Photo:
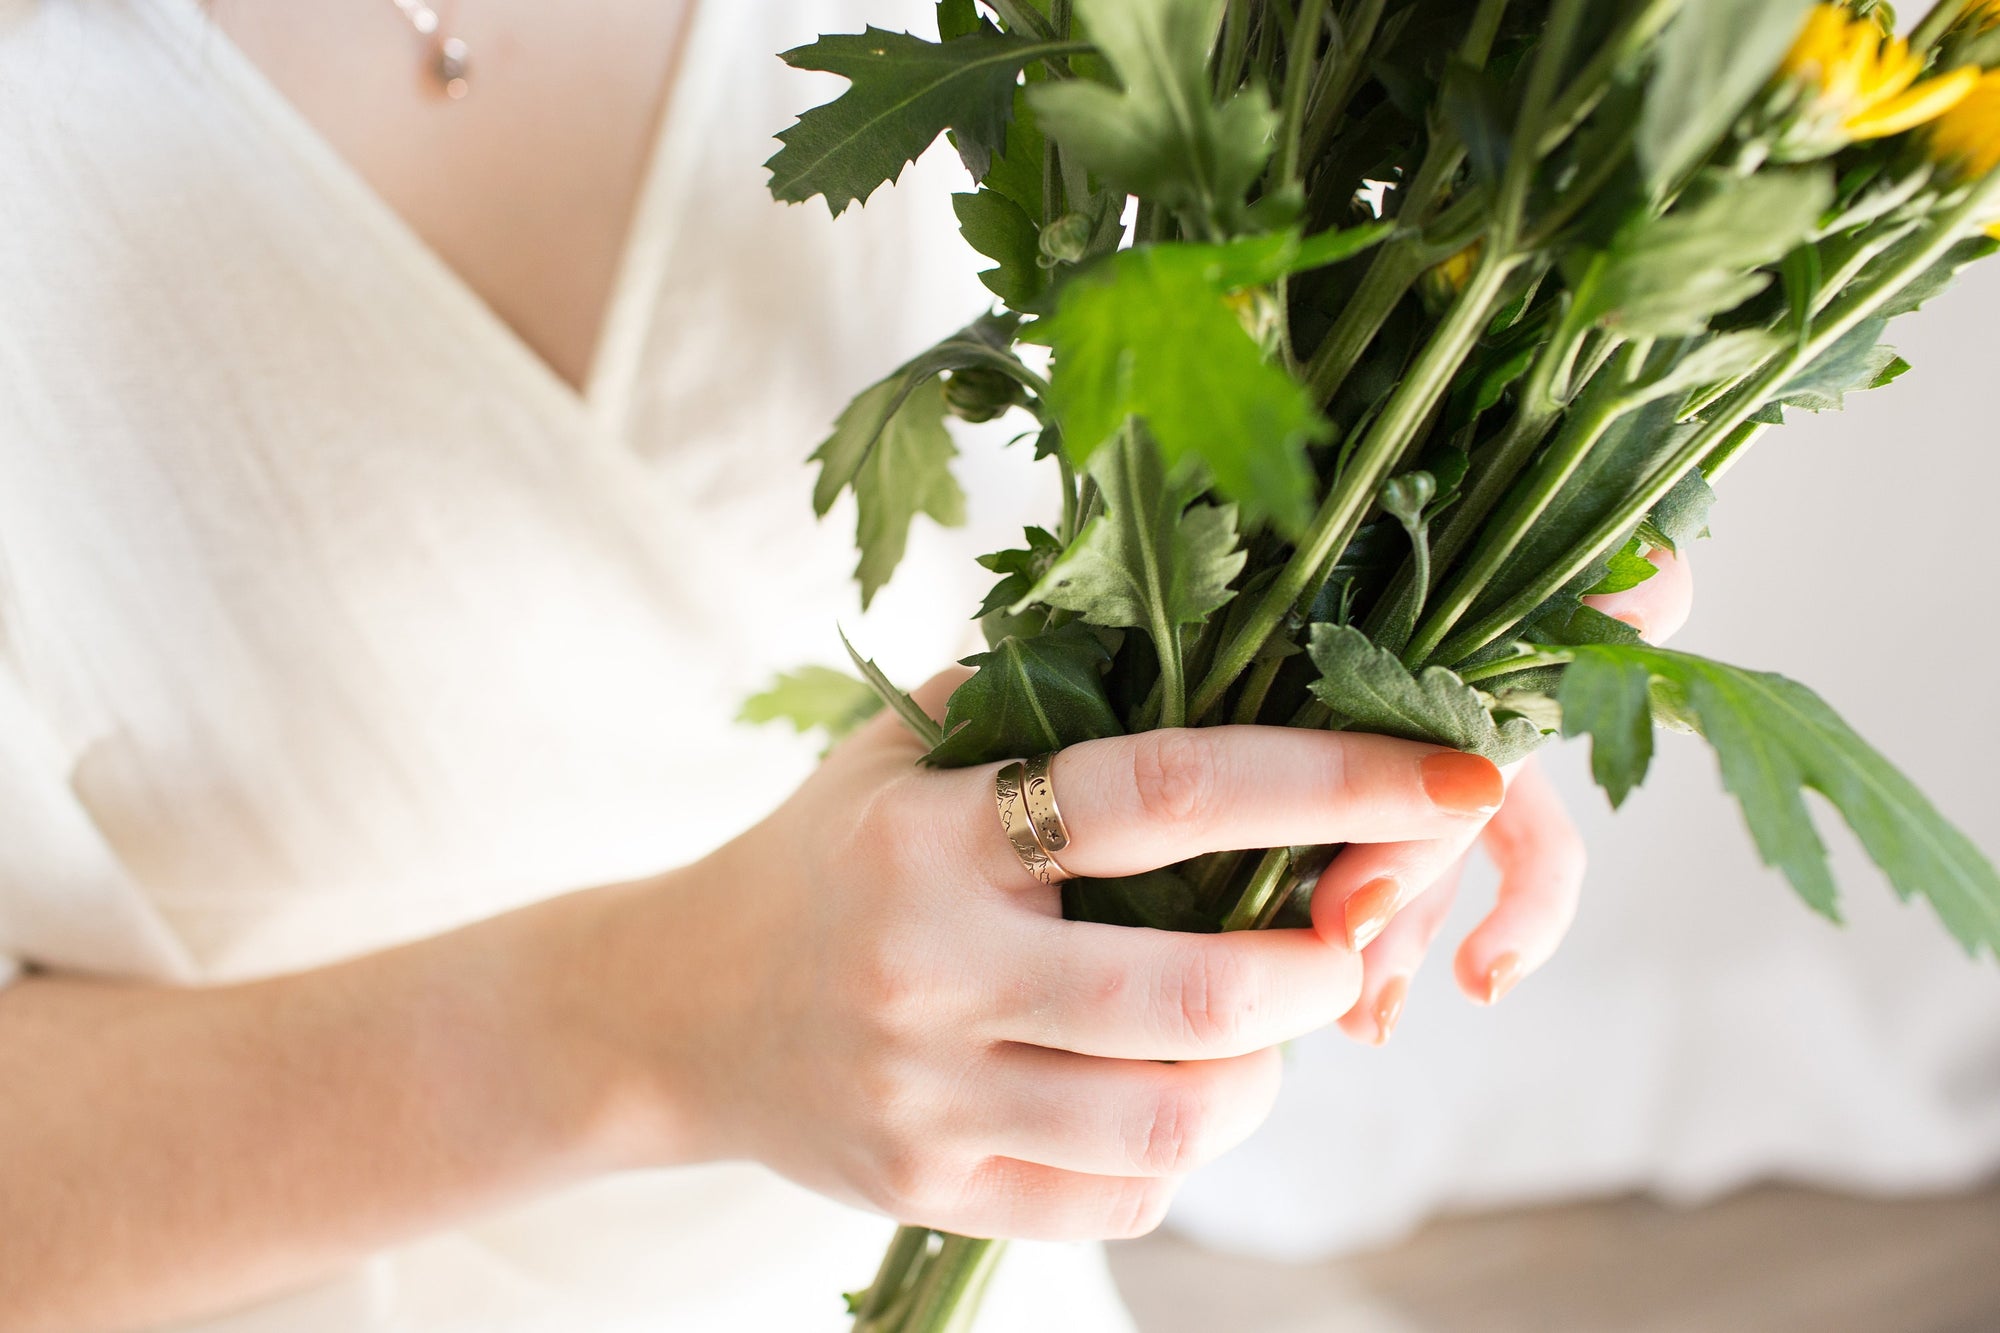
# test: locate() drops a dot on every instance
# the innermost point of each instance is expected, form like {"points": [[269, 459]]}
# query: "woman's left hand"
{"points": [[1389, 900]]}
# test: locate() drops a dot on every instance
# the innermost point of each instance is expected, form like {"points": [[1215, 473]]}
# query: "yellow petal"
{"points": [[1921, 105]]}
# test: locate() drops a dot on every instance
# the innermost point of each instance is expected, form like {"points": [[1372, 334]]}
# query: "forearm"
{"points": [[168, 1152]]}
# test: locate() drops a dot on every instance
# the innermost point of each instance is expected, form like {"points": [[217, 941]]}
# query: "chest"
{"points": [[526, 187]]}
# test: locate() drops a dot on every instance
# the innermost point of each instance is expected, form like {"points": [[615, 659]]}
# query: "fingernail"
{"points": [[1636, 621], [1389, 1009], [1463, 783], [1503, 976], [1370, 911]]}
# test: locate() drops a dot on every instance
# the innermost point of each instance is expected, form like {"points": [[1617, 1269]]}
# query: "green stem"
{"points": [[1594, 79], [1937, 23], [940, 1303], [1572, 447], [900, 1264], [1731, 451], [1298, 84], [1508, 666], [1856, 307], [1341, 75], [1257, 895], [1352, 494], [1256, 690], [1071, 505]]}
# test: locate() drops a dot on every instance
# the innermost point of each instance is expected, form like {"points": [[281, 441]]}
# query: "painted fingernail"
{"points": [[1503, 976], [1389, 1009], [1370, 911], [1463, 783]]}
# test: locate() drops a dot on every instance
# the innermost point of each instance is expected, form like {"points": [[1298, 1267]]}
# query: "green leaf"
{"points": [[1714, 58], [1157, 900], [1627, 571], [1939, 277], [1027, 697], [1149, 559], [814, 698], [905, 92], [1683, 516], [1021, 569], [1856, 363], [1151, 333], [1374, 692], [892, 449], [1776, 739], [1668, 276], [1609, 700], [956, 18], [921, 724], [998, 228], [1161, 135]]}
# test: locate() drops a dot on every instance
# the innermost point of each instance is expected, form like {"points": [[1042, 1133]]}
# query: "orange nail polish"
{"points": [[1463, 783], [1370, 911], [1389, 1009], [1504, 975]]}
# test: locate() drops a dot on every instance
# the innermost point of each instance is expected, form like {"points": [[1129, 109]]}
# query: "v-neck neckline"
{"points": [[623, 320]]}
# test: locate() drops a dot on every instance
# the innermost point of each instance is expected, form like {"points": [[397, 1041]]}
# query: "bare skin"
{"points": [[897, 1017], [553, 141]]}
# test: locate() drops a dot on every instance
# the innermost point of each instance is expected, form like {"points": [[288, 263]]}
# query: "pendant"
{"points": [[453, 65]]}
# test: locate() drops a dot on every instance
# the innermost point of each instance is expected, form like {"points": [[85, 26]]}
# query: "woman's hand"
{"points": [[1390, 901], [870, 994]]}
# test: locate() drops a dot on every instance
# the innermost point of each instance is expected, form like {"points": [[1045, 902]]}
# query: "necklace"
{"points": [[446, 54]]}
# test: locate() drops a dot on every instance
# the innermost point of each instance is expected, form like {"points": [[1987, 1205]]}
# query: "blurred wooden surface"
{"points": [[1769, 1261]]}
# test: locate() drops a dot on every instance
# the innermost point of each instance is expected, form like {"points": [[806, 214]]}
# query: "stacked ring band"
{"points": [[1030, 817]]}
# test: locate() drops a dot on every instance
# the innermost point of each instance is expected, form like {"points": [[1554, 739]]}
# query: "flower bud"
{"points": [[980, 393], [1066, 240]]}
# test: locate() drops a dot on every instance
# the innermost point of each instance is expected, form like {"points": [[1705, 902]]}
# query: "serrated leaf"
{"points": [[1683, 516], [1027, 697], [1151, 558], [1854, 364], [921, 724], [1161, 135], [1151, 333], [1668, 276], [892, 449], [1936, 280], [1373, 691], [996, 227], [956, 18], [1628, 569], [904, 93], [1776, 739], [814, 698], [1610, 701], [1020, 569], [1713, 59]]}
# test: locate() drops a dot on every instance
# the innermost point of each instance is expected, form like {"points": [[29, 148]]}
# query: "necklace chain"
{"points": [[447, 55]]}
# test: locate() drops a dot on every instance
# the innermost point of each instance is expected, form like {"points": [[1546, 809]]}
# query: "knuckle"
{"points": [[909, 1181], [1169, 1139], [1174, 774], [1210, 999], [1137, 1208], [887, 987]]}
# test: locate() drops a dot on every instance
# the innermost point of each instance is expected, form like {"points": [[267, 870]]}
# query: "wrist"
{"points": [[591, 1048]]}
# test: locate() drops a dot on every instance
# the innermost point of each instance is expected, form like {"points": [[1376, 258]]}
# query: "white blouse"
{"points": [[330, 618]]}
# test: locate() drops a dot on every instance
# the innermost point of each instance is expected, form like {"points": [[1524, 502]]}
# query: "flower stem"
{"points": [[1353, 493]]}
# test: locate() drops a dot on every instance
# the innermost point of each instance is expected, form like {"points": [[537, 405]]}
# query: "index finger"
{"points": [[1136, 803]]}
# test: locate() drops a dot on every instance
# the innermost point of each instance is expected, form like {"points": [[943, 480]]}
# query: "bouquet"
{"points": [[1368, 337]]}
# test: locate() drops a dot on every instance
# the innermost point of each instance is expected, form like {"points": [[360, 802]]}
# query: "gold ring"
{"points": [[1043, 812], [1020, 829]]}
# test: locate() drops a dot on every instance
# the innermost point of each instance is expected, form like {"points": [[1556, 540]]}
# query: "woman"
{"points": [[400, 493]]}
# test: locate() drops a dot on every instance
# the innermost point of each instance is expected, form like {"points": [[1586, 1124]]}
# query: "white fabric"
{"points": [[329, 618], [1701, 1030]]}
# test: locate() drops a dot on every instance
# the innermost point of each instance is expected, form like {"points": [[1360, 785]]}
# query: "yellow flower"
{"points": [[1864, 83], [1448, 277], [1967, 137]]}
